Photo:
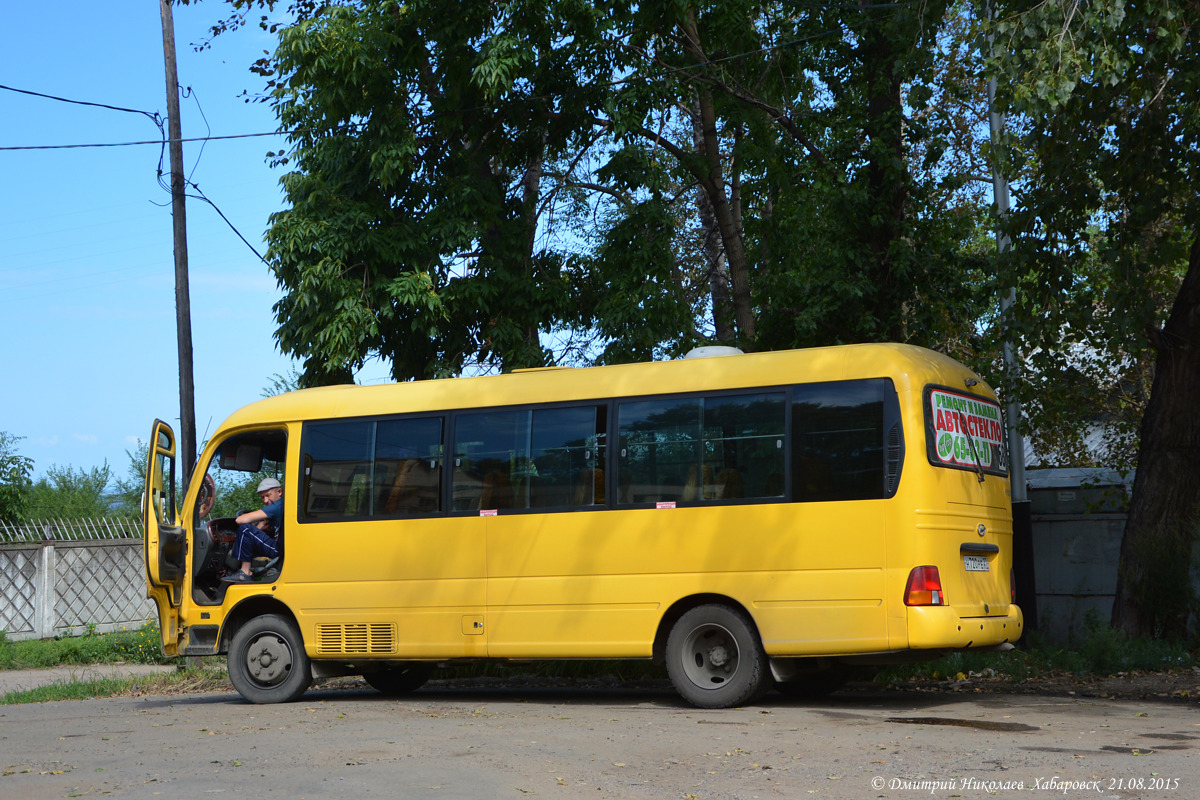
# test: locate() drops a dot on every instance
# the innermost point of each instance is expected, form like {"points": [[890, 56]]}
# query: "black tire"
{"points": [[715, 659], [267, 662], [816, 684], [401, 678]]}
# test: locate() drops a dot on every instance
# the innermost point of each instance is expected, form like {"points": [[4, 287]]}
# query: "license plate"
{"points": [[975, 563]]}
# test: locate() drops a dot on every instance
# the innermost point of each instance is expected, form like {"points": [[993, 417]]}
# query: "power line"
{"points": [[201, 196], [153, 115], [155, 141], [162, 142]]}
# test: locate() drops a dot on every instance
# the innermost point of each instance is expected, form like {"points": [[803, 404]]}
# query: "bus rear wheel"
{"points": [[715, 659], [400, 678], [267, 662]]}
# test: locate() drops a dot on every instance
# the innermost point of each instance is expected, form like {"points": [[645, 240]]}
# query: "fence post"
{"points": [[44, 591]]}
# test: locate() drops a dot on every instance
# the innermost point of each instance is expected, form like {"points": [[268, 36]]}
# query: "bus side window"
{"points": [[408, 466], [837, 441], [339, 459], [743, 445], [528, 458], [710, 449], [490, 460], [566, 456], [659, 440]]}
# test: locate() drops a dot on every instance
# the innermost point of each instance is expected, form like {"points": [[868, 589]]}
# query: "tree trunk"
{"points": [[714, 255], [530, 194], [731, 234], [887, 180], [712, 181], [1154, 589]]}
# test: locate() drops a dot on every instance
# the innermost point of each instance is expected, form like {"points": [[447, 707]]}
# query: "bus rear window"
{"points": [[964, 431]]}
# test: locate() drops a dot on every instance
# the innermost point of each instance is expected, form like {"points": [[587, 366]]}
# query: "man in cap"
{"points": [[258, 531]]}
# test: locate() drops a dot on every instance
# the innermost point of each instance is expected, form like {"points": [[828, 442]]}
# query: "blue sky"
{"points": [[87, 293]]}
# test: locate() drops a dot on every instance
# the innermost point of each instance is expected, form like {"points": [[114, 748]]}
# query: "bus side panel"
{"points": [[422, 580], [596, 584]]}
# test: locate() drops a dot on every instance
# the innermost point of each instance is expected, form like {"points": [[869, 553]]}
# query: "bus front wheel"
{"points": [[267, 662], [715, 659]]}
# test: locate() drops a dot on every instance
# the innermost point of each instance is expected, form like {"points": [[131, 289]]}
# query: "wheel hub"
{"points": [[718, 656], [269, 660]]}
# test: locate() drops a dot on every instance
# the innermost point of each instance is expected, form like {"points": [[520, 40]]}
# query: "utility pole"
{"points": [[183, 303], [1021, 510]]}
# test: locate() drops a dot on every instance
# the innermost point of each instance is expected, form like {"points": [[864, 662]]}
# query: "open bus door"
{"points": [[166, 541]]}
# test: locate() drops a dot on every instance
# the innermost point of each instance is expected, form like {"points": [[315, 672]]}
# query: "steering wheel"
{"points": [[208, 495]]}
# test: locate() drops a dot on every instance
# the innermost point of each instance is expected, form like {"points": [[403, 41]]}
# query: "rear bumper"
{"points": [[932, 627]]}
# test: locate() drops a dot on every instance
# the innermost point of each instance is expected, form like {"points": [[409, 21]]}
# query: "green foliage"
{"points": [[128, 490], [1102, 650], [237, 491], [1108, 210], [70, 493], [15, 479], [76, 690], [406, 230], [140, 646], [282, 384], [469, 178]]}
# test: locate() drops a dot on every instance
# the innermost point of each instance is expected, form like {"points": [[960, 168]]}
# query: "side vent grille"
{"points": [[895, 458], [357, 638]]}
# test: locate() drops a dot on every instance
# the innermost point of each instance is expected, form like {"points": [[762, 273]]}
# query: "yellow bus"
{"points": [[751, 520]]}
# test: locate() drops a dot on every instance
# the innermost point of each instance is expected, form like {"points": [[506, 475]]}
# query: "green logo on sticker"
{"points": [[946, 445]]}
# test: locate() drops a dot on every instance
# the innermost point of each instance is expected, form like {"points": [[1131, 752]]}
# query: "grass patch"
{"points": [[140, 646], [182, 681], [1103, 650]]}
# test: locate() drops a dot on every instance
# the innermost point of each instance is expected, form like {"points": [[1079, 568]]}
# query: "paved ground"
{"points": [[23, 680], [628, 743]]}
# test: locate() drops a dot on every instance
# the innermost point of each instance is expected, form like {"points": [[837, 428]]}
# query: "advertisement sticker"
{"points": [[967, 431]]}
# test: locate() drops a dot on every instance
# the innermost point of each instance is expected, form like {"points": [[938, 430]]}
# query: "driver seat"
{"points": [[263, 568]]}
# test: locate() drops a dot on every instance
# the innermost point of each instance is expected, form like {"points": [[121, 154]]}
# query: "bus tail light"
{"points": [[924, 588], [1012, 585]]}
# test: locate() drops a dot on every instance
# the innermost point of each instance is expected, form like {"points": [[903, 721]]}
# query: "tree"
{"points": [[15, 481], [1107, 245], [471, 178], [70, 493], [412, 222], [127, 491], [282, 384]]}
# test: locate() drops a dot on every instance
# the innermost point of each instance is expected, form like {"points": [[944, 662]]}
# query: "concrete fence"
{"points": [[72, 578]]}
